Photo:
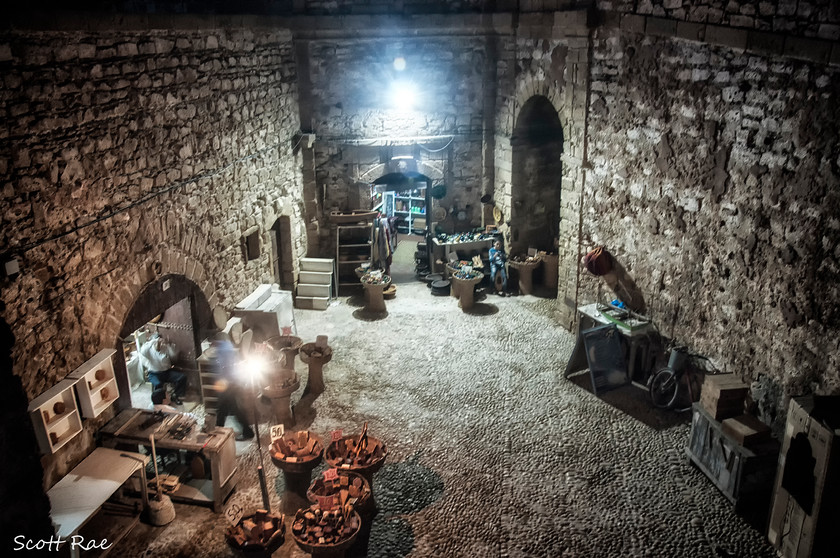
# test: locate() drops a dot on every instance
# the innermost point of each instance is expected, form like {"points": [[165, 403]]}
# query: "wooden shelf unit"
{"points": [[353, 245], [209, 382], [413, 220], [52, 428], [97, 385]]}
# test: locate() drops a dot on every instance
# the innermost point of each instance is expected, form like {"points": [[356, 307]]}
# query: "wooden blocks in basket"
{"points": [[723, 395]]}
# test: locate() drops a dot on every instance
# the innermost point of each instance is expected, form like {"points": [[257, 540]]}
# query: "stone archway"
{"points": [[537, 146], [154, 299]]}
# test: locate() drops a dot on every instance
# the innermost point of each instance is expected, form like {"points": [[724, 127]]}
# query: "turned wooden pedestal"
{"points": [[466, 290], [525, 271], [280, 398], [315, 383], [288, 346], [375, 299]]}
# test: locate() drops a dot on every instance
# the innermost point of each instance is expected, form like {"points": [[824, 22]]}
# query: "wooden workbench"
{"points": [[79, 495], [127, 429]]}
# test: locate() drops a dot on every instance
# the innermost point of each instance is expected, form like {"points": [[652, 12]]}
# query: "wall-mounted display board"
{"points": [[55, 416], [97, 386]]}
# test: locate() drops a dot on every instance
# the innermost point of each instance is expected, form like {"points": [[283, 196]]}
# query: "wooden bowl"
{"points": [[316, 548], [320, 487], [257, 550], [337, 453], [303, 463]]}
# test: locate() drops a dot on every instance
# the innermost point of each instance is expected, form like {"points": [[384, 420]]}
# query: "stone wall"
{"points": [[131, 154], [715, 184], [549, 58], [358, 126], [808, 18]]}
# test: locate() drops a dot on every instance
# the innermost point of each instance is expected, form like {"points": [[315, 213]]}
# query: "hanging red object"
{"points": [[598, 261]]}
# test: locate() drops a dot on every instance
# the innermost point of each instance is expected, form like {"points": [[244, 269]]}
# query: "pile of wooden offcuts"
{"points": [[342, 488], [317, 526], [297, 447], [262, 529], [366, 451]]}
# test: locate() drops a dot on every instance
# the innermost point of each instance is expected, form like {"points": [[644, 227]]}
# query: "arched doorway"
{"points": [[537, 146], [178, 308]]}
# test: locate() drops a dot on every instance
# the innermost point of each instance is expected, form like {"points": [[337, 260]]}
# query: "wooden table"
{"points": [[126, 429], [639, 358], [449, 247], [79, 495]]}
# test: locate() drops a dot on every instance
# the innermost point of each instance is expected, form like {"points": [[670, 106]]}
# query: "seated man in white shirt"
{"points": [[158, 355]]}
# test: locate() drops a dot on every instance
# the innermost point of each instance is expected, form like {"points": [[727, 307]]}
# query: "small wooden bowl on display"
{"points": [[297, 452], [367, 459], [258, 535], [309, 529], [355, 484]]}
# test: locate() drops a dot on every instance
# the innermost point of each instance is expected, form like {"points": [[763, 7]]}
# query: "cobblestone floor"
{"points": [[492, 452]]}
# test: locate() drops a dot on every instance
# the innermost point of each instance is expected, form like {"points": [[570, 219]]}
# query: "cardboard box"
{"points": [[808, 475]]}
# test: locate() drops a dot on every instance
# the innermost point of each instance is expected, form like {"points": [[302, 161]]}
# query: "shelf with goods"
{"points": [[55, 416], [411, 206], [376, 199], [97, 385], [352, 250]]}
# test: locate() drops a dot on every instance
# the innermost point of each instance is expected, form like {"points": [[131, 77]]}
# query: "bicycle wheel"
{"points": [[664, 388]]}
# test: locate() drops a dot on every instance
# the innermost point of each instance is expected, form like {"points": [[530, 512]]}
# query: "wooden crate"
{"points": [[743, 475]]}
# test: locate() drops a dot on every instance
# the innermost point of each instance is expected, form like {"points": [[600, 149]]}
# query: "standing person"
{"points": [[498, 258], [225, 361], [159, 355]]}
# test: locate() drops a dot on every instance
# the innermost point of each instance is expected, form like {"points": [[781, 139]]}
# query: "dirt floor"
{"points": [[492, 452]]}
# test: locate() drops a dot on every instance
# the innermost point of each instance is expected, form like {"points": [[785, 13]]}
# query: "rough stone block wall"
{"points": [[128, 155], [549, 59], [715, 184], [808, 18]]}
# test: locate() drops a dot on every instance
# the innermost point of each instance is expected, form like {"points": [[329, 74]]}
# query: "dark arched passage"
{"points": [[155, 298], [537, 146]]}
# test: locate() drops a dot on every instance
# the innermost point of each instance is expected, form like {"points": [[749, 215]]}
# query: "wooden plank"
{"points": [[747, 430]]}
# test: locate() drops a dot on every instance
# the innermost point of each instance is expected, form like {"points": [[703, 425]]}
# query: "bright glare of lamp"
{"points": [[252, 367], [399, 63], [402, 95]]}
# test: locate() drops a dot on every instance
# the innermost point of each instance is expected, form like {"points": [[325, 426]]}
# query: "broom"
{"points": [[161, 509]]}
